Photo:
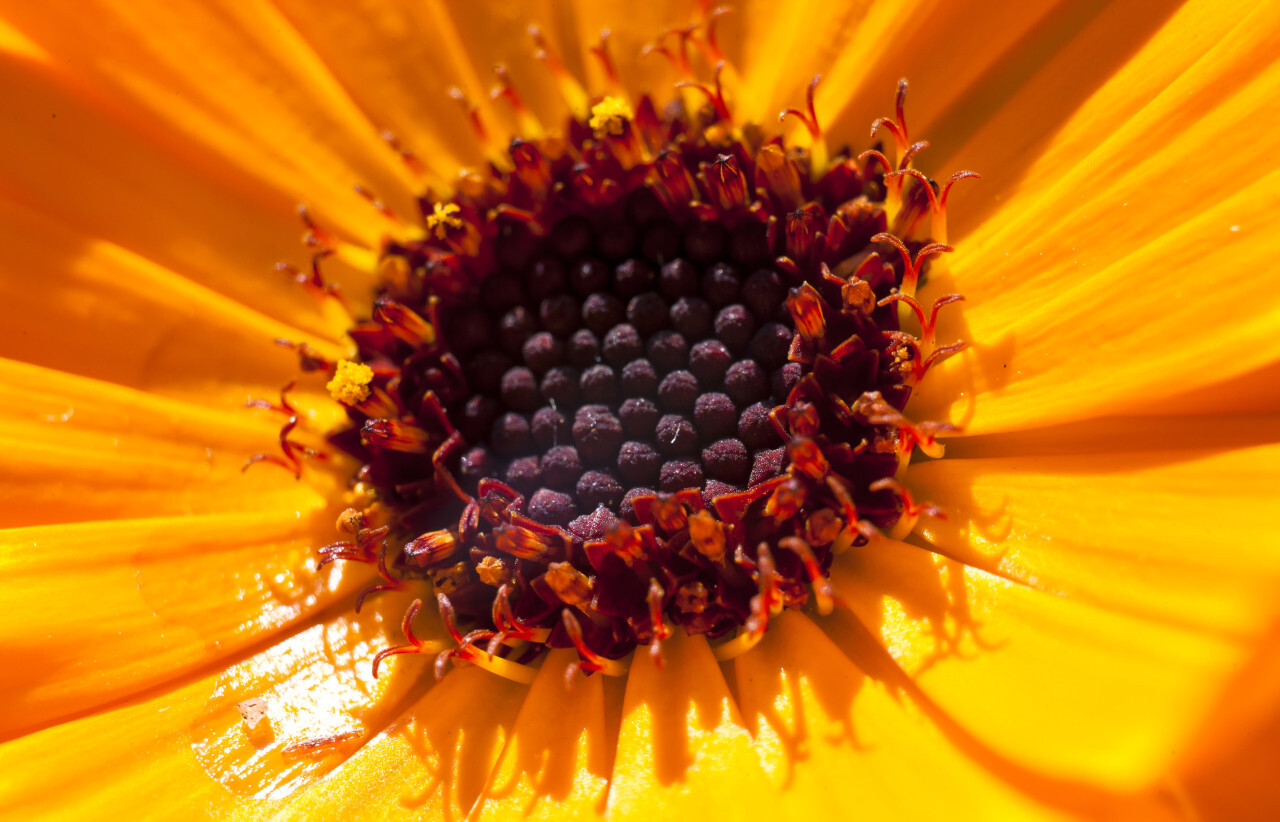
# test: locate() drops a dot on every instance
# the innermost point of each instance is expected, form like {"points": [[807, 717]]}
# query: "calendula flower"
{"points": [[616, 387]]}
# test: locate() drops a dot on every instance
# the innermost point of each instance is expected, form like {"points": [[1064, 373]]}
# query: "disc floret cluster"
{"points": [[647, 374]]}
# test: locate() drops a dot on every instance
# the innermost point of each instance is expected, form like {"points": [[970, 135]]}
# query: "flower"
{"points": [[1106, 572]]}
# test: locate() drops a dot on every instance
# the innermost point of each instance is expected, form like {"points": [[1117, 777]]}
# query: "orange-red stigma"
{"points": [[643, 375]]}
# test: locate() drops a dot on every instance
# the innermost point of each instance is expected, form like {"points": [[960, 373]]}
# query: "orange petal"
{"points": [[632, 27], [83, 165], [52, 482], [1183, 537], [1101, 348], [1059, 110], [558, 757], [872, 45], [322, 702], [65, 294], [1228, 771], [80, 449], [187, 752], [102, 610], [259, 107], [400, 59], [682, 749], [839, 744], [1056, 685], [431, 763], [1123, 280]]}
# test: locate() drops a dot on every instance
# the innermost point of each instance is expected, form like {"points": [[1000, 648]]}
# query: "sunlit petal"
{"points": [[104, 610]]}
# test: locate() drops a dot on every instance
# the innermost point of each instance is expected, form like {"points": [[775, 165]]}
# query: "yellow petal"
{"points": [[839, 744], [558, 757], [54, 482], [64, 294], [79, 449], [632, 27], [1185, 537], [187, 752], [879, 43], [1228, 771], [1122, 281], [401, 58], [780, 54], [431, 763], [1057, 685], [258, 106], [101, 610], [105, 179], [322, 702], [682, 749], [1063, 104]]}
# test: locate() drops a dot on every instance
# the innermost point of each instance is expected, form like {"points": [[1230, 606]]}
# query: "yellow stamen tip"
{"points": [[442, 218], [350, 383], [611, 114]]}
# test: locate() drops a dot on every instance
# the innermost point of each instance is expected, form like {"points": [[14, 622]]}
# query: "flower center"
{"points": [[648, 374], [593, 379]]}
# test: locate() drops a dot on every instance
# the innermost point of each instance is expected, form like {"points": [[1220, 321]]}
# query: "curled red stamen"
{"points": [[911, 268], [414, 644], [897, 126], [716, 97], [601, 53], [810, 119], [292, 451]]}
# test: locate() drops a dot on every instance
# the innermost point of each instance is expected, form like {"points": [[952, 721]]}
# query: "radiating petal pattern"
{"points": [[1168, 533], [80, 449], [188, 748], [682, 748], [257, 104], [1091, 632], [1016, 665], [432, 762], [559, 756], [1104, 316], [834, 741], [104, 610]]}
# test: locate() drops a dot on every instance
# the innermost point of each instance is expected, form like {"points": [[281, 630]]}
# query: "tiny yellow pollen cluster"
{"points": [[611, 114], [350, 383], [442, 218]]}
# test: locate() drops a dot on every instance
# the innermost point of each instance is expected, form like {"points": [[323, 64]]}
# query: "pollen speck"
{"points": [[611, 114], [350, 383], [442, 218]]}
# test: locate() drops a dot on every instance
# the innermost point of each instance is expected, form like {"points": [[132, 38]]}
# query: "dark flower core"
{"points": [[646, 374]]}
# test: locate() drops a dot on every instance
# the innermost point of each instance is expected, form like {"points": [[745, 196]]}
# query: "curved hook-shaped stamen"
{"points": [[713, 51], [824, 595], [590, 660], [601, 53], [911, 510], [715, 97], [809, 119], [937, 200], [575, 96], [414, 645], [910, 154], [526, 121], [818, 157], [898, 125], [911, 273]]}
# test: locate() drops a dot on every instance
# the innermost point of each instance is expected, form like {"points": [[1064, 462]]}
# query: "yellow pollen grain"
{"points": [[350, 383], [492, 572], [443, 218], [611, 114]]}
